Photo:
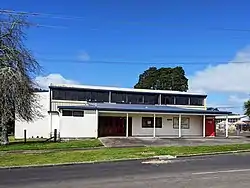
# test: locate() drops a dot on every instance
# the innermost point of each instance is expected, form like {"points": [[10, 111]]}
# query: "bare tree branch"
{"points": [[17, 67]]}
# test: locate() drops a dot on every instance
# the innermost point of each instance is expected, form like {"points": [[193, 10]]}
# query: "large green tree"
{"points": [[247, 108], [17, 71], [165, 78]]}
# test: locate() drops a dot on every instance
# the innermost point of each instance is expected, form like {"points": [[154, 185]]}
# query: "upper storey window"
{"points": [[197, 101], [125, 97], [80, 95]]}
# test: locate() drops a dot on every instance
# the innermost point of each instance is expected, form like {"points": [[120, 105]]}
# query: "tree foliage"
{"points": [[212, 109], [17, 70], [163, 79], [247, 108]]}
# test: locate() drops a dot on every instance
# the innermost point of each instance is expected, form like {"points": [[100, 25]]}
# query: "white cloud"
{"points": [[83, 56], [45, 81], [231, 77]]}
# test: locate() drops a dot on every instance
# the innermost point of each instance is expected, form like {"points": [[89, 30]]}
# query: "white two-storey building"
{"points": [[79, 111]]}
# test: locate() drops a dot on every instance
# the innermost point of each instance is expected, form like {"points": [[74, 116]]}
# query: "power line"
{"points": [[37, 25], [4, 11], [67, 17], [44, 53], [194, 63]]}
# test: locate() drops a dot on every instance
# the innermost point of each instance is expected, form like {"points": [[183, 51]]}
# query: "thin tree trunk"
{"points": [[4, 136]]}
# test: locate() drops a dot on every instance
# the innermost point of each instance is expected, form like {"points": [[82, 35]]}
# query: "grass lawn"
{"points": [[10, 159], [38, 144]]}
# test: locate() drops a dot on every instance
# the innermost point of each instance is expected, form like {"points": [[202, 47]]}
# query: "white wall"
{"points": [[195, 128], [79, 127], [55, 121], [39, 127]]}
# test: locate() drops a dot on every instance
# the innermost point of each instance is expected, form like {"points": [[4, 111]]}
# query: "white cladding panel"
{"points": [[40, 126], [55, 120], [79, 127]]}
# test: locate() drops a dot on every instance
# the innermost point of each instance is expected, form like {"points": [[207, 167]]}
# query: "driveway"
{"points": [[142, 142]]}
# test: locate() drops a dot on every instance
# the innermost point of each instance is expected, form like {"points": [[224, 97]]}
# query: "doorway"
{"points": [[114, 126], [210, 126]]}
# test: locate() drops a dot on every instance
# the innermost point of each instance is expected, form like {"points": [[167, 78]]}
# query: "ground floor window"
{"points": [[75, 113], [185, 122], [148, 122]]}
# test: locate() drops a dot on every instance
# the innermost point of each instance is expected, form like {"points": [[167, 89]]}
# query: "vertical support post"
{"points": [[179, 125], [50, 123], [55, 135], [127, 125], [205, 103], [110, 95], [97, 123], [227, 126], [204, 126], [50, 110], [25, 135], [154, 127], [159, 99]]}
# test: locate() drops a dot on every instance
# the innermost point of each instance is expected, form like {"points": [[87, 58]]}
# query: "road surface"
{"points": [[225, 171]]}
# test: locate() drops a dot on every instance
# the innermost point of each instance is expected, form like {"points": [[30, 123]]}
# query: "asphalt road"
{"points": [[227, 171]]}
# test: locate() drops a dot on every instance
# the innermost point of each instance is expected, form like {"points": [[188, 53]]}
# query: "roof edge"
{"points": [[111, 88], [179, 110]]}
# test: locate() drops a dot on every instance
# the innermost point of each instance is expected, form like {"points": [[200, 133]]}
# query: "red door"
{"points": [[210, 127]]}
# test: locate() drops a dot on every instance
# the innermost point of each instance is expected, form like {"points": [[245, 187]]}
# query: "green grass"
{"points": [[35, 144], [11, 159]]}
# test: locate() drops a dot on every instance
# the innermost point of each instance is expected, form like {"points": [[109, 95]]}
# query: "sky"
{"points": [[110, 42]]}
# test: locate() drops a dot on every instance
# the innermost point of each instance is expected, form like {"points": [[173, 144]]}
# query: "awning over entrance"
{"points": [[144, 108]]}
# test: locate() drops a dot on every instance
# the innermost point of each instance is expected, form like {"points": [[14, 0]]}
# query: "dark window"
{"points": [[148, 122], [80, 95], [198, 101], [118, 97], [78, 113], [150, 99], [67, 112], [84, 96], [167, 99], [182, 100], [100, 96], [135, 98], [58, 94]]}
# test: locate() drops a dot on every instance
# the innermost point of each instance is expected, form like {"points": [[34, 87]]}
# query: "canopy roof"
{"points": [[143, 108]]}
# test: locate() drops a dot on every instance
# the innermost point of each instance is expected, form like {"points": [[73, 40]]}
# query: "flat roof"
{"points": [[230, 116], [124, 89], [142, 108]]}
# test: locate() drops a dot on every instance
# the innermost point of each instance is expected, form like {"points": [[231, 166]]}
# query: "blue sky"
{"points": [[209, 34]]}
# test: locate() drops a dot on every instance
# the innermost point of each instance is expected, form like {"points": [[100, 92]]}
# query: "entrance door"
{"points": [[210, 127], [113, 126]]}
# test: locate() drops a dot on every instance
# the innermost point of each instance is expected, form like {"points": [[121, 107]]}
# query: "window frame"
{"points": [[195, 101], [71, 114], [169, 97], [134, 98], [182, 99], [158, 122], [77, 111], [80, 95], [66, 111], [176, 123]]}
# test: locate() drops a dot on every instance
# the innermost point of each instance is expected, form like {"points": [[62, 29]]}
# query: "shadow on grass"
{"points": [[31, 142]]}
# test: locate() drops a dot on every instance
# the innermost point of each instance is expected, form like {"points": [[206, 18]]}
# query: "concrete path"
{"points": [[140, 142], [225, 171]]}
